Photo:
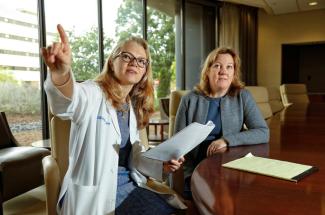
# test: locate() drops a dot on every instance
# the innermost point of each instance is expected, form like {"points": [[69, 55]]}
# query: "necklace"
{"points": [[124, 110]]}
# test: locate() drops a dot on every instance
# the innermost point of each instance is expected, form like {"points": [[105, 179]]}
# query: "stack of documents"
{"points": [[270, 167], [181, 143]]}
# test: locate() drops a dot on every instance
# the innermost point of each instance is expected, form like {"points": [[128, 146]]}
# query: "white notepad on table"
{"points": [[271, 167]]}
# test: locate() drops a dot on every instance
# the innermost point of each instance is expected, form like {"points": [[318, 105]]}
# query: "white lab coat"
{"points": [[90, 183]]}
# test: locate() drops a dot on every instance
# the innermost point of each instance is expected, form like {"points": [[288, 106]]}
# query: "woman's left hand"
{"points": [[172, 165], [217, 146]]}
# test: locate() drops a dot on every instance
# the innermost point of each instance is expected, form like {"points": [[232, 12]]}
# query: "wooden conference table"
{"points": [[297, 135]]}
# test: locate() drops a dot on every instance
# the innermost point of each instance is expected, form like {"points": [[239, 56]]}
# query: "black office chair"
{"points": [[20, 166]]}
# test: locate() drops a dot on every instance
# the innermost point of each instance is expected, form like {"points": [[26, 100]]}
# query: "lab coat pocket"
{"points": [[81, 200]]}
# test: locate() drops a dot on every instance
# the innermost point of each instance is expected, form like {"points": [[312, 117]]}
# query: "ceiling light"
{"points": [[313, 3]]}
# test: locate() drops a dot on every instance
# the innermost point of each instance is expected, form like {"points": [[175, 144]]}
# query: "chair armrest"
{"points": [[52, 183]]}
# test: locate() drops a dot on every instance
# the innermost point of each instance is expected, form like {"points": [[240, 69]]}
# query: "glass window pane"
{"points": [[121, 19], [19, 69], [80, 21], [161, 38]]}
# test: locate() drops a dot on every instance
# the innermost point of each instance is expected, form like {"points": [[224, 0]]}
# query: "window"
{"points": [[161, 38], [81, 27], [121, 19], [19, 69]]}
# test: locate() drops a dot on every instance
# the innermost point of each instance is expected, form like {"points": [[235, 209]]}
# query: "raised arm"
{"points": [[58, 58]]}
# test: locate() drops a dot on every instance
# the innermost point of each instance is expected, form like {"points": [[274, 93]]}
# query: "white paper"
{"points": [[181, 143], [270, 167]]}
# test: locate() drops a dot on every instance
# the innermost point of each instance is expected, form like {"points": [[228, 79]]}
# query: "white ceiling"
{"points": [[282, 6]]}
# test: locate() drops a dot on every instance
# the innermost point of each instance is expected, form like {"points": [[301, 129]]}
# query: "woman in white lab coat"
{"points": [[106, 172]]}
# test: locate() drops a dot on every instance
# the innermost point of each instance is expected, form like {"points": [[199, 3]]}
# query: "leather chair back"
{"points": [[175, 98], [60, 131], [275, 99], [56, 164], [5, 140], [261, 97], [294, 93]]}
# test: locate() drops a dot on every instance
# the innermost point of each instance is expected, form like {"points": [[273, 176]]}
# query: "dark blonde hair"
{"points": [[236, 84], [142, 95]]}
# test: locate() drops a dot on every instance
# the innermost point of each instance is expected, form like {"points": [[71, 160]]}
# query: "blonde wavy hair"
{"points": [[236, 84], [142, 93]]}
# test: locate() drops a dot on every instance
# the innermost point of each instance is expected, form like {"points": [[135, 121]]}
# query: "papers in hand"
{"points": [[181, 143], [271, 167]]}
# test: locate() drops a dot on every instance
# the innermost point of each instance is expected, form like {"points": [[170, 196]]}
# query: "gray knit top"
{"points": [[235, 112]]}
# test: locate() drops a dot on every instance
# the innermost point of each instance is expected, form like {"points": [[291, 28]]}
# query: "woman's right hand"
{"points": [[217, 146], [172, 165], [58, 57]]}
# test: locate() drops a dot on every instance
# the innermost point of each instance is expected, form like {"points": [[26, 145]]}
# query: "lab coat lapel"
{"points": [[133, 126], [111, 110]]}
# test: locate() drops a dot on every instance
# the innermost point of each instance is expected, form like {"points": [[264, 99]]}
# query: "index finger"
{"points": [[174, 161], [63, 36], [181, 159]]}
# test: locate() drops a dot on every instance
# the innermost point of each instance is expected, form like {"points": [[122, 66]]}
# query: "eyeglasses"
{"points": [[127, 57]]}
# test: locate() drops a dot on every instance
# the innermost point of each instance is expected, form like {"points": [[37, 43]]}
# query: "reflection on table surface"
{"points": [[297, 135]]}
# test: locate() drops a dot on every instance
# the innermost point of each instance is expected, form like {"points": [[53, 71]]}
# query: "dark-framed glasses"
{"points": [[127, 57]]}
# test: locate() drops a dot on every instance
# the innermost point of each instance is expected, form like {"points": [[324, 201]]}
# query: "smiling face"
{"points": [[221, 74], [129, 73]]}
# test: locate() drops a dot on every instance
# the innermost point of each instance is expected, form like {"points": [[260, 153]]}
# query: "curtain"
{"points": [[238, 30], [229, 26], [248, 43]]}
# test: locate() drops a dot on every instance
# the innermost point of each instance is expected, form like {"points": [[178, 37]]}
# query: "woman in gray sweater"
{"points": [[220, 97]]}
